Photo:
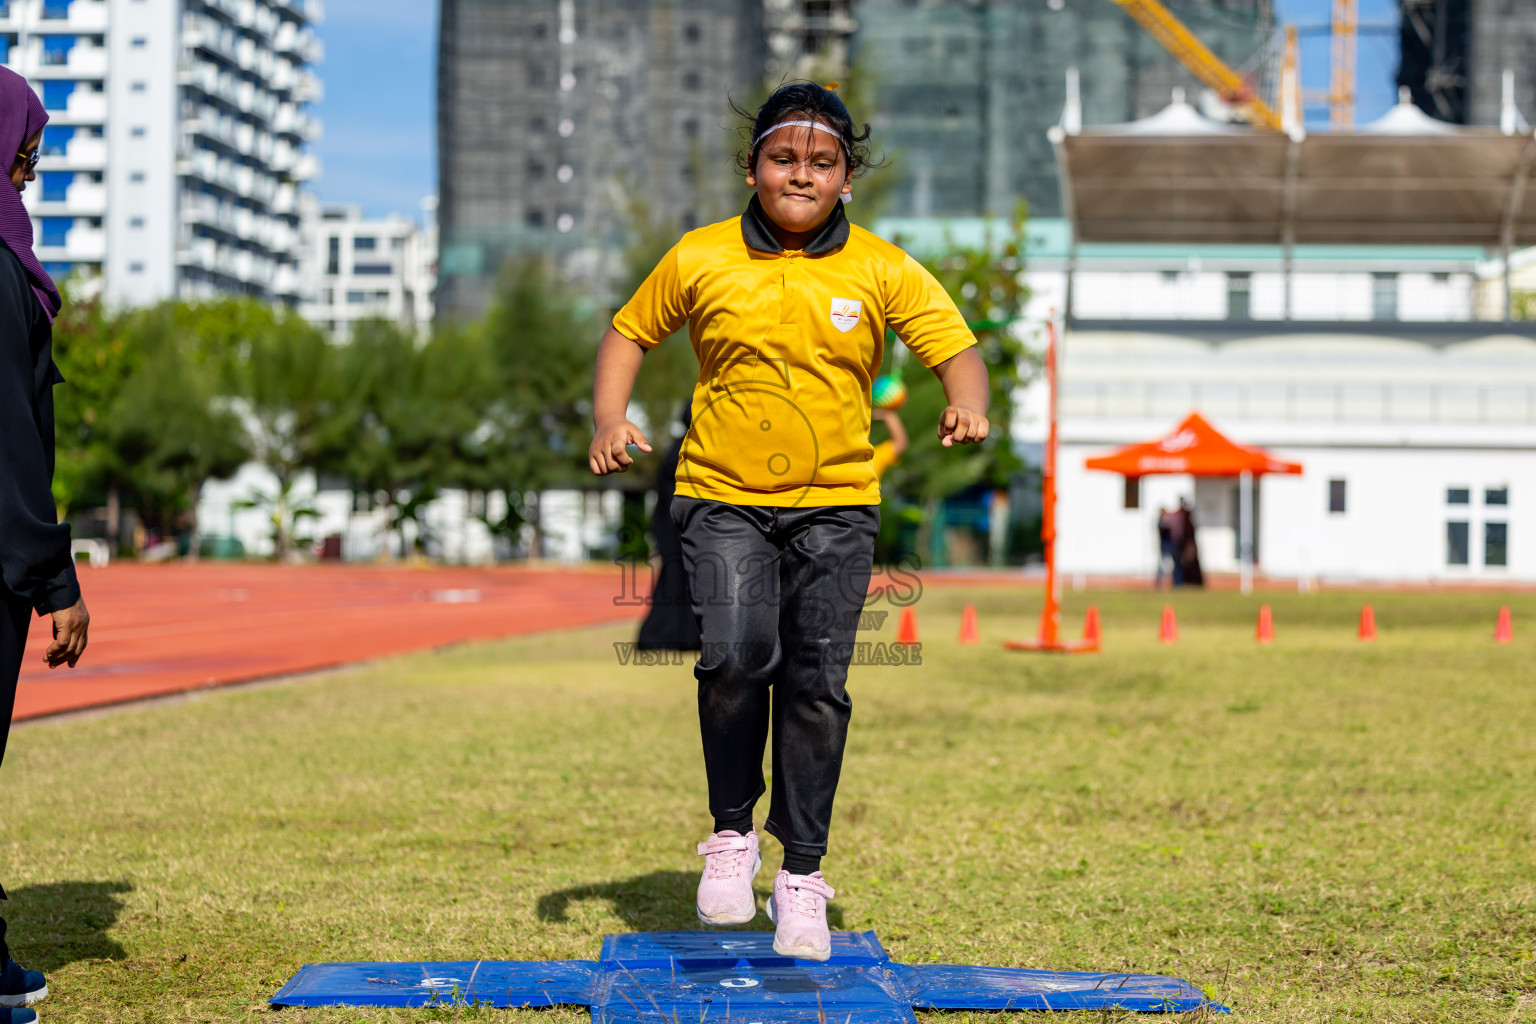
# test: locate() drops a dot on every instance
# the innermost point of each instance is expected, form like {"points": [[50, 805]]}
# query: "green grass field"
{"points": [[1319, 830]]}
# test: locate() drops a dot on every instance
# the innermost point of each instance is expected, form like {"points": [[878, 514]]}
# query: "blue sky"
{"points": [[379, 143]]}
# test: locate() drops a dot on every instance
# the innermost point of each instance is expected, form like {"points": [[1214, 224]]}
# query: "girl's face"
{"points": [[799, 176]]}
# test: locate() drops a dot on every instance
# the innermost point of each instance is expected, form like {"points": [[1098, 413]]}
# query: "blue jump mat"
{"points": [[655, 977]]}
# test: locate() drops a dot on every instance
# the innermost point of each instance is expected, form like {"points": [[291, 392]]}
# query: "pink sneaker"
{"points": [[731, 862], [798, 910]]}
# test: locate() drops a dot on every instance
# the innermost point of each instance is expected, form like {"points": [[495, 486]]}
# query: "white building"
{"points": [[1386, 370], [173, 158], [1417, 442], [355, 268]]}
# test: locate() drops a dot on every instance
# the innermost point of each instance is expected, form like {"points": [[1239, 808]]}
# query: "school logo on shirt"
{"points": [[845, 313]]}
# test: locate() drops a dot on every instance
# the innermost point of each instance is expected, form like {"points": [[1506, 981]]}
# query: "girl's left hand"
{"points": [[958, 425]]}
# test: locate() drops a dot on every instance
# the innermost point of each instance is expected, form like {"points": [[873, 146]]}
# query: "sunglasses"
{"points": [[32, 158]]}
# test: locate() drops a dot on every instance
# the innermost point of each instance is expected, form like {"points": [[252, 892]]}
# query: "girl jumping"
{"points": [[777, 498]]}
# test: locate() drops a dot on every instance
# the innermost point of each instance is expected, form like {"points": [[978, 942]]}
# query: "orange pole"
{"points": [[1050, 615]]}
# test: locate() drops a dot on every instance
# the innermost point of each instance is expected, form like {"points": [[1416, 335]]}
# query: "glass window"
{"points": [[1336, 494], [1458, 496], [1133, 492], [1456, 543], [1383, 296], [56, 230], [364, 243], [56, 185], [56, 139], [372, 269], [56, 49], [7, 39], [135, 222], [135, 268], [58, 271], [1239, 296], [1496, 496], [357, 298], [534, 218], [56, 8], [1495, 544], [56, 94], [333, 255]]}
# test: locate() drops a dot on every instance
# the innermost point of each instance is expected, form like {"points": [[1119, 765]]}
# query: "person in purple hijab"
{"points": [[37, 571]]}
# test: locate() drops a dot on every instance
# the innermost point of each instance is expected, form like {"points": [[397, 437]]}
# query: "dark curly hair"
{"points": [[804, 101]]}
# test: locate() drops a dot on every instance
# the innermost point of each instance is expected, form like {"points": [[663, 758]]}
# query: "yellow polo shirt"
{"points": [[884, 458], [788, 343]]}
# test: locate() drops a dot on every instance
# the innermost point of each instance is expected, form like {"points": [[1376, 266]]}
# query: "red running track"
{"points": [[160, 629]]}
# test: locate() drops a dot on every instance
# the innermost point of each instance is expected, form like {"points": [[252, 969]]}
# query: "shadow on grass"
{"points": [[661, 901], [64, 922]]}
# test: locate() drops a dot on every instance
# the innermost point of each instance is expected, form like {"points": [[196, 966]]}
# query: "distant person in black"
{"points": [[36, 568], [670, 625], [1187, 556], [1167, 564]]}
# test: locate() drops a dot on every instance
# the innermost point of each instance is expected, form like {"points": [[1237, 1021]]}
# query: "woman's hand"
{"points": [[959, 425], [607, 454], [69, 629]]}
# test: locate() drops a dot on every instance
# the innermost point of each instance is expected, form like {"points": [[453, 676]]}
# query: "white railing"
{"points": [[1338, 401]]}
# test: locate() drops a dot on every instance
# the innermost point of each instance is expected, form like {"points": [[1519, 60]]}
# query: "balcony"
{"points": [[81, 152], [82, 244], [84, 106], [78, 61], [83, 198]]}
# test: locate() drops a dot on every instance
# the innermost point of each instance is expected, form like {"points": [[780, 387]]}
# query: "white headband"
{"points": [[800, 124]]}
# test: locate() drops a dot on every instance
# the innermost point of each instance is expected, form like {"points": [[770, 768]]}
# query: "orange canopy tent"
{"points": [[1196, 448]]}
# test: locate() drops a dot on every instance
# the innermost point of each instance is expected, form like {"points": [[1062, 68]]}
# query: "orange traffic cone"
{"points": [[1169, 632], [968, 633], [906, 633], [1504, 632], [1367, 623], [1266, 631], [1091, 624]]}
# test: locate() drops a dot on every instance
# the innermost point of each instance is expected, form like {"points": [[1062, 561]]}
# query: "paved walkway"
{"points": [[159, 629]]}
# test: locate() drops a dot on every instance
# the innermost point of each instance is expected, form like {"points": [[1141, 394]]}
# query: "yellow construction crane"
{"points": [[1213, 72], [1341, 83], [1198, 59]]}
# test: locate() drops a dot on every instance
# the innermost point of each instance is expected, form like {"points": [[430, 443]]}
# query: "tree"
{"points": [[290, 397], [169, 429], [541, 342], [419, 414], [987, 285], [140, 417]]}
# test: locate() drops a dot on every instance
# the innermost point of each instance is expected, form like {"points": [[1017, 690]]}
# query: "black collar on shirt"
{"points": [[757, 234]]}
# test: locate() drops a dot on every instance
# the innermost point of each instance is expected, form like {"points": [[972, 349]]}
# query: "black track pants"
{"points": [[777, 592], [14, 619]]}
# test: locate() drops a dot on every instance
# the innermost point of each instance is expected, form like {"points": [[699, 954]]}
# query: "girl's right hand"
{"points": [[607, 454]]}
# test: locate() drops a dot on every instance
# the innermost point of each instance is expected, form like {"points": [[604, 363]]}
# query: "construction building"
{"points": [[175, 150], [807, 37], [1455, 54], [563, 123], [968, 88]]}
